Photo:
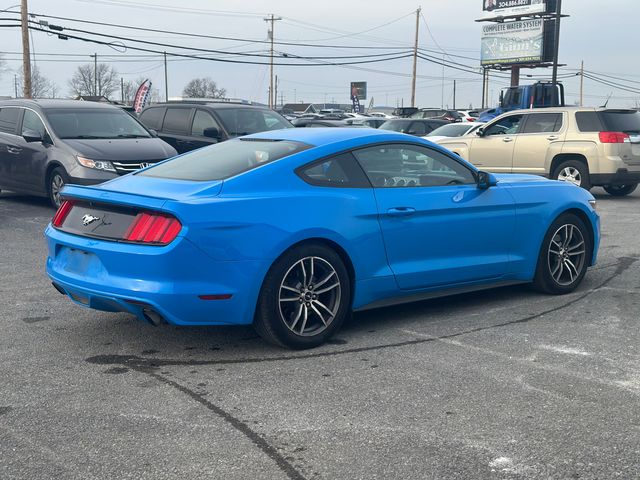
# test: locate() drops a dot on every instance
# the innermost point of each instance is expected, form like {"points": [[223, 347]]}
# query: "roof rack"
{"points": [[239, 101]]}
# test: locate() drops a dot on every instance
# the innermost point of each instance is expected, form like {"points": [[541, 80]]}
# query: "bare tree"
{"points": [[83, 81], [41, 86], [203, 88]]}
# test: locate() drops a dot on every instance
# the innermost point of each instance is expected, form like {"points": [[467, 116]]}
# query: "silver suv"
{"points": [[585, 146]]}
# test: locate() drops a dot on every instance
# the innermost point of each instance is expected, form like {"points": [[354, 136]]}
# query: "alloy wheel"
{"points": [[57, 183], [567, 253], [309, 296], [571, 175]]}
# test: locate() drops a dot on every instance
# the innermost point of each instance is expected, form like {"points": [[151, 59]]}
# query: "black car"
{"points": [[187, 125], [45, 144], [417, 127], [439, 113]]}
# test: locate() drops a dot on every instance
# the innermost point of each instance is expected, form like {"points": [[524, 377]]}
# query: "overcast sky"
{"points": [[588, 34]]}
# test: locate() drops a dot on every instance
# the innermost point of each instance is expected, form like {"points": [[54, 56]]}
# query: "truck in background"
{"points": [[537, 95]]}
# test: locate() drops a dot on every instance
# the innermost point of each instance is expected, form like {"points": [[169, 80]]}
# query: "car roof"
{"points": [[57, 103], [213, 104], [328, 135], [569, 109]]}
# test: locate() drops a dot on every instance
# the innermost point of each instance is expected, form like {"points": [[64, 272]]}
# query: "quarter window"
{"points": [[411, 166], [152, 118], [339, 171], [543, 123], [505, 126], [201, 121], [9, 120], [31, 122]]}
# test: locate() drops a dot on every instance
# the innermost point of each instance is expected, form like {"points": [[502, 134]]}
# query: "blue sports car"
{"points": [[291, 230]]}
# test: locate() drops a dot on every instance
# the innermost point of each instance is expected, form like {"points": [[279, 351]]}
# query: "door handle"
{"points": [[401, 211], [13, 150], [552, 137], [507, 139]]}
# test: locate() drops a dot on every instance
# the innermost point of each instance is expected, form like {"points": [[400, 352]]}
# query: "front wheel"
{"points": [[573, 171], [57, 180], [564, 256], [620, 190], [305, 298]]}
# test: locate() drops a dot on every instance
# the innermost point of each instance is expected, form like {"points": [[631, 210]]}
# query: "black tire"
{"points": [[620, 190], [553, 274], [274, 303], [581, 170], [56, 176]]}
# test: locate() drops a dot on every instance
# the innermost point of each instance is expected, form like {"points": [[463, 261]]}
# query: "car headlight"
{"points": [[96, 164], [593, 203]]}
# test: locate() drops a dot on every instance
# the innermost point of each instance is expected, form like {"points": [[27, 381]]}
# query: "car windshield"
{"points": [[98, 123], [395, 125], [451, 130], [245, 121], [225, 159]]}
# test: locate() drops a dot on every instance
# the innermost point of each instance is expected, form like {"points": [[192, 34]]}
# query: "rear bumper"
{"points": [[116, 277], [621, 177]]}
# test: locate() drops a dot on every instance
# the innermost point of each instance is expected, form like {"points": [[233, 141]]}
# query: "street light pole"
{"points": [[26, 55], [554, 79], [272, 99], [415, 59]]}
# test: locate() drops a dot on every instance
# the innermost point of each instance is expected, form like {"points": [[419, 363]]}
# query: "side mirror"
{"points": [[486, 180], [31, 136], [211, 132], [480, 132]]}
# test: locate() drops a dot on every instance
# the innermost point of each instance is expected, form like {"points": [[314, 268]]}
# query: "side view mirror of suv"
{"points": [[31, 136], [211, 132]]}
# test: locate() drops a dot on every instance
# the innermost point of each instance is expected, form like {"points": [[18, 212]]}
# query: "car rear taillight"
{"points": [[153, 228], [61, 214], [613, 137]]}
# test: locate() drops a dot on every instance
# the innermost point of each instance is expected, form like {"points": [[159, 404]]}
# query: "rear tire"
{"points": [[57, 179], [573, 171], [305, 298], [564, 256], [620, 190]]}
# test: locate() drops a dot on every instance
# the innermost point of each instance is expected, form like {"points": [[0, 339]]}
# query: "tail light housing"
{"points": [[60, 216], [153, 228], [613, 137]]}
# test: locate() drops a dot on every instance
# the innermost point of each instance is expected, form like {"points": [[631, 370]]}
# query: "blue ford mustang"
{"points": [[291, 230]]}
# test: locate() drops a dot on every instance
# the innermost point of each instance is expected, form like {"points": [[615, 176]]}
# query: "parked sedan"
{"points": [[291, 230], [417, 127]]}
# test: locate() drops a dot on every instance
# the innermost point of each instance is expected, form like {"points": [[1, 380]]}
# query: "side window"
{"points": [[31, 122], [339, 171], [152, 117], [201, 121], [543, 123], [588, 122], [505, 126], [411, 166], [417, 128], [176, 120], [9, 119]]}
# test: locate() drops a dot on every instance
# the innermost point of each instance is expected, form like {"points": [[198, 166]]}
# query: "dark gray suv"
{"points": [[190, 124], [45, 144]]}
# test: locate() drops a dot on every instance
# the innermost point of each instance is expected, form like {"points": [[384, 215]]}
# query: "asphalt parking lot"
{"points": [[506, 383]]}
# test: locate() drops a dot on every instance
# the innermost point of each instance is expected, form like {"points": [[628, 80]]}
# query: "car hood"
{"points": [[122, 149], [519, 178]]}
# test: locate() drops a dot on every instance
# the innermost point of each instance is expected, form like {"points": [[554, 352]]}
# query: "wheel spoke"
{"points": [[324, 307], [312, 270], [298, 315], [578, 245], [572, 269], [325, 280], [575, 254], [292, 299], [305, 316], [291, 289], [560, 271], [555, 270], [326, 289], [304, 273], [313, 307]]}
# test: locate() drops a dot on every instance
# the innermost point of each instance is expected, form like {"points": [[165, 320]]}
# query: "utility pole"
{"points": [[581, 82], [415, 59], [122, 90], [272, 98], [95, 74], [275, 96], [454, 94], [166, 81], [554, 80], [15, 85], [484, 87], [26, 55]]}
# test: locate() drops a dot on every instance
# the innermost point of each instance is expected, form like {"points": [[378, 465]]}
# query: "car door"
{"points": [[32, 161], [439, 228], [539, 133], [10, 147], [203, 120], [493, 150], [176, 128]]}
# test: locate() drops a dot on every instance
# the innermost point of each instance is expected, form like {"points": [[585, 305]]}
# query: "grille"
{"points": [[122, 168]]}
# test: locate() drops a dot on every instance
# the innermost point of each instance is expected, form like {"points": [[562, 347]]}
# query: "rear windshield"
{"points": [[88, 123], [245, 121], [224, 160], [627, 121]]}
